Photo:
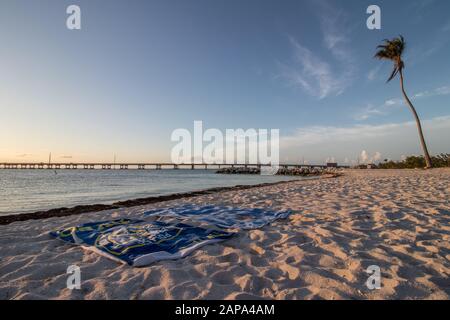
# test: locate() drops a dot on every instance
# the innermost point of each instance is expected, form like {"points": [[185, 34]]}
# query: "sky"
{"points": [[138, 70]]}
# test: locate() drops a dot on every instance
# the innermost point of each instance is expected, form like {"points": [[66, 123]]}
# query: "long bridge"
{"points": [[143, 166]]}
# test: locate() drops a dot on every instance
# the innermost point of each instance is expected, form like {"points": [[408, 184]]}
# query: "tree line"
{"points": [[412, 162]]}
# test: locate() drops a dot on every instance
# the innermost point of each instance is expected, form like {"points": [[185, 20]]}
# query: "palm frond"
{"points": [[392, 50], [383, 54], [393, 74]]}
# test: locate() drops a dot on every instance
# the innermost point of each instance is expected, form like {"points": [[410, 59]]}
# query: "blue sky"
{"points": [[137, 70]]}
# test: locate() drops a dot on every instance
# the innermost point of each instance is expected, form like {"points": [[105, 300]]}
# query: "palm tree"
{"points": [[392, 50]]}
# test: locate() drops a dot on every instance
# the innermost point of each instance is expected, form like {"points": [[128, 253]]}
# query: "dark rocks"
{"points": [[239, 170], [303, 172]]}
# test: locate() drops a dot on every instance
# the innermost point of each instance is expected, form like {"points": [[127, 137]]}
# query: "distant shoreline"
{"points": [[63, 212]]}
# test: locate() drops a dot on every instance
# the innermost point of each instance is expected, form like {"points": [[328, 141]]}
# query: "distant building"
{"points": [[332, 165]]}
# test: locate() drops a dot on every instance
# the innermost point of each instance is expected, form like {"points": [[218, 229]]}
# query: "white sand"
{"points": [[398, 220]]}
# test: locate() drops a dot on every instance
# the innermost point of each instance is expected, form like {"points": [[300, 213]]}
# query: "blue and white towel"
{"points": [[140, 243], [223, 217]]}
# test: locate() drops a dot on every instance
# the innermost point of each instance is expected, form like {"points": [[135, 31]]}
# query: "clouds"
{"points": [[372, 75], [437, 40], [389, 105], [365, 157], [310, 73], [335, 35], [381, 110], [441, 91], [313, 74], [315, 135], [420, 5], [368, 112], [391, 140], [377, 156]]}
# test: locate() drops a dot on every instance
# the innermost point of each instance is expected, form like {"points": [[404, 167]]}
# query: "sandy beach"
{"points": [[398, 220]]}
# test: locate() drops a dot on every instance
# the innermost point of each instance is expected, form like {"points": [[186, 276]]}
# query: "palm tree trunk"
{"points": [[419, 126]]}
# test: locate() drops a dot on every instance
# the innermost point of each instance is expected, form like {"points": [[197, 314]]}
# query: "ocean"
{"points": [[24, 191]]}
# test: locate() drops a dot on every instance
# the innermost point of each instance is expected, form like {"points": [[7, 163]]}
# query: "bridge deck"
{"points": [[141, 166]]}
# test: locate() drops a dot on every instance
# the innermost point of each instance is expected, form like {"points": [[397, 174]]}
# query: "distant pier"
{"points": [[149, 166]]}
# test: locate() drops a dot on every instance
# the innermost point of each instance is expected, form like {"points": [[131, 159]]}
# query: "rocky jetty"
{"points": [[281, 171]]}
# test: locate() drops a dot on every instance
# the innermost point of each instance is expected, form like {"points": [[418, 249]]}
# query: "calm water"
{"points": [[24, 191]]}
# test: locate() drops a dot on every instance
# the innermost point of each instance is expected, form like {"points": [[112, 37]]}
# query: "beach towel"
{"points": [[222, 216], [140, 243]]}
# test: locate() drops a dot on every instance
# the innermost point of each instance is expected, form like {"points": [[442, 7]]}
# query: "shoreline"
{"points": [[80, 209]]}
